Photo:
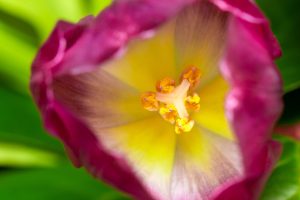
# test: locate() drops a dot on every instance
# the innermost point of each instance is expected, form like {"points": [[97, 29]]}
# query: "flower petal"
{"points": [[200, 38], [149, 146], [114, 28], [138, 64], [212, 114], [66, 53], [254, 102], [51, 55], [258, 26], [86, 150], [203, 162], [99, 98]]}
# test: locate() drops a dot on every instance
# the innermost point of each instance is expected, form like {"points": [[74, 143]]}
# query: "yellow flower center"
{"points": [[174, 102]]}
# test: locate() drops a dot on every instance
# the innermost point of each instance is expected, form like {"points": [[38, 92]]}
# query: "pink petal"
{"points": [[254, 103], [258, 24]]}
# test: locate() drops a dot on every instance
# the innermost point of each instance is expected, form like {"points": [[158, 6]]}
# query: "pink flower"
{"points": [[166, 100]]}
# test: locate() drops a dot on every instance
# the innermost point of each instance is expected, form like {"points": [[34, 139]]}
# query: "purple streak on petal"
{"points": [[253, 105], [258, 26]]}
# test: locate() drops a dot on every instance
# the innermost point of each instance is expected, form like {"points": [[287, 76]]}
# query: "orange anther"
{"points": [[149, 101], [193, 102], [166, 85], [192, 74], [183, 125], [168, 112]]}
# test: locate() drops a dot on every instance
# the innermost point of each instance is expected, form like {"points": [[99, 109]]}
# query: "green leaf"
{"points": [[62, 182], [21, 123], [285, 180], [16, 56], [285, 22], [291, 113], [13, 155], [44, 14], [24, 26], [98, 5]]}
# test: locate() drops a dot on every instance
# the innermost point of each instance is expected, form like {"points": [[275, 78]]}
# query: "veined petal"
{"points": [[99, 98], [212, 114], [114, 28], [149, 146], [200, 34], [195, 37], [258, 24], [203, 162], [137, 65], [252, 106], [77, 50]]}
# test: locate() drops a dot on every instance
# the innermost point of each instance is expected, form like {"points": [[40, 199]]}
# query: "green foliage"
{"points": [[33, 165], [285, 21], [284, 183], [20, 122], [291, 112], [13, 155], [25, 25], [62, 182]]}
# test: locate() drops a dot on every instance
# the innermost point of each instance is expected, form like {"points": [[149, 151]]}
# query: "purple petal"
{"points": [[65, 52], [258, 24], [254, 103]]}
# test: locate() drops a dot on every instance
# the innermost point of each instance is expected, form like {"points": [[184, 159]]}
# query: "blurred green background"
{"points": [[33, 165]]}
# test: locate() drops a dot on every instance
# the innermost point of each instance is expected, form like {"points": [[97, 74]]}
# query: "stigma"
{"points": [[174, 103]]}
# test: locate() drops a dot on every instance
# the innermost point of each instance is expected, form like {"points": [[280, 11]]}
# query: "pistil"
{"points": [[177, 98], [173, 103]]}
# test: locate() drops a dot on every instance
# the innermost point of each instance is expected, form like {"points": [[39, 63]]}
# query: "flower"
{"points": [[138, 98]]}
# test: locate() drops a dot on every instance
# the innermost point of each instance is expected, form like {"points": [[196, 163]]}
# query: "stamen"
{"points": [[193, 75], [168, 112], [193, 102], [165, 85], [176, 98], [172, 102], [149, 101], [183, 125]]}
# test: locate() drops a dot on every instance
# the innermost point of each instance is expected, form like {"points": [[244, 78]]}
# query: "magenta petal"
{"points": [[253, 105], [250, 187], [114, 27], [258, 26], [82, 47], [50, 55], [79, 141], [85, 147]]}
